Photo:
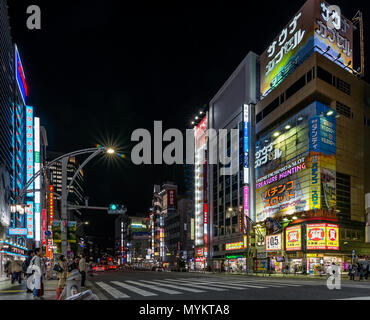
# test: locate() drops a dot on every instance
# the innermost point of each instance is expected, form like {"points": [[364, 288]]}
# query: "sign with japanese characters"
{"points": [[273, 243], [311, 29], [279, 194], [332, 237], [316, 239], [234, 246], [30, 157], [293, 238]]}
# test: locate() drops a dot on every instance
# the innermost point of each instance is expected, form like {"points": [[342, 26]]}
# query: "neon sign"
{"points": [[37, 181], [20, 76], [29, 146], [234, 246], [30, 214]]}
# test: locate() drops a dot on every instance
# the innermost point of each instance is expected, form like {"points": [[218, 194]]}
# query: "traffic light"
{"points": [[115, 208]]}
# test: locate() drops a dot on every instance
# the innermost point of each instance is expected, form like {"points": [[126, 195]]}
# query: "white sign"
{"points": [[273, 243], [268, 153]]}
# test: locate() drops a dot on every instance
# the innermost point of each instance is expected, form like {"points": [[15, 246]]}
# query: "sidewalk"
{"points": [[18, 292]]}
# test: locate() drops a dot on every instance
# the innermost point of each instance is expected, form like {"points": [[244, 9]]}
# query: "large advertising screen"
{"points": [[305, 33], [296, 164]]}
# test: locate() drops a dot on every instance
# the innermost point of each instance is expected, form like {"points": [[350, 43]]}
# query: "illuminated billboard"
{"points": [[234, 246], [323, 236], [293, 240], [274, 243], [306, 33], [37, 180], [30, 219], [29, 147], [201, 208], [296, 164], [20, 76]]}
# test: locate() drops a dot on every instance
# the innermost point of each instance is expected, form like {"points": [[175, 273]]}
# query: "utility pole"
{"points": [[64, 208]]}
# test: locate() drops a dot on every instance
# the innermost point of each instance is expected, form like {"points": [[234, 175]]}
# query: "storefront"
{"points": [[200, 263], [236, 263], [8, 250]]}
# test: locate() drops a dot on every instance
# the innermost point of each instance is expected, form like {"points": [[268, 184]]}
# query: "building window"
{"points": [[324, 75], [344, 110], [344, 196]]}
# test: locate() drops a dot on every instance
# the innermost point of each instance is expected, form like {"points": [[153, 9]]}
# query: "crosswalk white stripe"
{"points": [[248, 285], [134, 289], [214, 284], [158, 282], [228, 280], [112, 291], [200, 286], [155, 288]]}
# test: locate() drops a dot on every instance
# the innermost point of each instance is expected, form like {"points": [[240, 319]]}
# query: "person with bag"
{"points": [[25, 266], [38, 267], [61, 267]]}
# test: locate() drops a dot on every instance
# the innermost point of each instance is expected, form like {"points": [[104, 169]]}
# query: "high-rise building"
{"points": [[296, 200]]}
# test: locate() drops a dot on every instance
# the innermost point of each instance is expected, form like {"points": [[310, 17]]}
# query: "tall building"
{"points": [[163, 208], [295, 197], [76, 192]]}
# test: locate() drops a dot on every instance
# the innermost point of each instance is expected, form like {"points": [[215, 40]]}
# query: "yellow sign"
{"points": [[293, 238], [316, 236], [332, 237], [234, 246]]}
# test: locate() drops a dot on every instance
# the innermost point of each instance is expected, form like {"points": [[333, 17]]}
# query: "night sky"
{"points": [[98, 70]]}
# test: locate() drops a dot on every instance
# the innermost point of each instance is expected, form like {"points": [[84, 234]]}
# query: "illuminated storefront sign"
{"points": [[304, 177], [306, 33], [200, 182], [332, 237], [37, 181], [12, 249], [246, 207], [17, 231], [200, 252], [234, 246], [30, 157], [316, 239], [171, 199], [30, 219], [273, 243], [51, 205], [293, 238], [20, 76]]}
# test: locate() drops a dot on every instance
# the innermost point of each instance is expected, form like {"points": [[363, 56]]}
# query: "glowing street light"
{"points": [[111, 151]]}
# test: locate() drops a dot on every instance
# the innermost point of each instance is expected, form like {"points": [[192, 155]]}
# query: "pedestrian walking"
{"points": [[15, 270], [82, 268], [61, 267], [38, 267], [360, 271], [25, 265]]}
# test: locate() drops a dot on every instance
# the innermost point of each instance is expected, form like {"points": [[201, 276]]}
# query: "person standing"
{"points": [[25, 266], [62, 271], [82, 268], [15, 270], [38, 266]]}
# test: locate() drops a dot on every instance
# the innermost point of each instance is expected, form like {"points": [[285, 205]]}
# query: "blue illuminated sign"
{"points": [[29, 146], [20, 76], [17, 232]]}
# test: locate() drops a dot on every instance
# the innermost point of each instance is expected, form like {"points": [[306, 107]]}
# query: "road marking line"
{"points": [[155, 288], [354, 299], [134, 289], [158, 282], [214, 284], [200, 286], [112, 291]]}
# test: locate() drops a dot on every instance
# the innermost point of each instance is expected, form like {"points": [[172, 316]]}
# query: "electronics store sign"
{"points": [[274, 243]]}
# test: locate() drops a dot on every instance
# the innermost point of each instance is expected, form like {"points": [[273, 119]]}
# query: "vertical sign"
{"points": [[20, 76], [246, 144], [29, 146], [29, 213], [37, 181], [43, 226], [246, 208], [332, 237], [315, 177]]}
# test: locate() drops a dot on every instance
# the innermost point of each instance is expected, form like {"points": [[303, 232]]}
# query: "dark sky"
{"points": [[100, 69]]}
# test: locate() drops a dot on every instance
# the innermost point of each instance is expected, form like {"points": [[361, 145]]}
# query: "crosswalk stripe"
{"points": [[158, 282], [214, 284], [112, 291], [155, 288], [227, 280], [248, 285], [134, 289], [200, 286]]}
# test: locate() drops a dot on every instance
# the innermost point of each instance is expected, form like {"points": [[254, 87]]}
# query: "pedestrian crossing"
{"points": [[131, 289]]}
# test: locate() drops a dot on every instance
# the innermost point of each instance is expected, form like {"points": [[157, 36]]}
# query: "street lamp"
{"points": [[111, 151]]}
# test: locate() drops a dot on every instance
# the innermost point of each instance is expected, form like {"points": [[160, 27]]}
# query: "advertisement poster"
{"points": [[305, 33], [293, 238], [234, 246], [332, 237], [316, 239], [273, 243], [296, 164]]}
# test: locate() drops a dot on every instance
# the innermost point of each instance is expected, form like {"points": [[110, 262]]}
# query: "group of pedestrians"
{"points": [[359, 270], [63, 267]]}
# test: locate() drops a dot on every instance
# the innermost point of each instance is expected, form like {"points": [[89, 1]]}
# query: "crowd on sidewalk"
{"points": [[35, 269]]}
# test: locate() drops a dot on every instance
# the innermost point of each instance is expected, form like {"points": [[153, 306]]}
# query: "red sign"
{"points": [[316, 234], [171, 198]]}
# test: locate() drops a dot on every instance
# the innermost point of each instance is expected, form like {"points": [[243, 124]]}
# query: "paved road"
{"points": [[120, 285]]}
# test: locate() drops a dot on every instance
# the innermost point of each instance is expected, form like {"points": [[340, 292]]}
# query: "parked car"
{"points": [[99, 268]]}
